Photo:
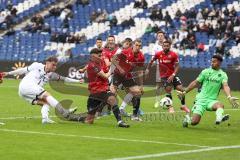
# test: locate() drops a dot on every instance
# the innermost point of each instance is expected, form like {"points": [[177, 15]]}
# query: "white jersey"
{"points": [[157, 48], [31, 86], [37, 76]]}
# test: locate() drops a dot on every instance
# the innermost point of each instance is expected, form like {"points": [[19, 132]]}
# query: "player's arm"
{"points": [[115, 62], [70, 80], [107, 62], [82, 70], [177, 66], [197, 82], [192, 85], [150, 64], [104, 75], [232, 100], [57, 77], [19, 71]]}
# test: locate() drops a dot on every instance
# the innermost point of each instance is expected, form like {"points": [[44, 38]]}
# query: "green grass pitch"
{"points": [[24, 137]]}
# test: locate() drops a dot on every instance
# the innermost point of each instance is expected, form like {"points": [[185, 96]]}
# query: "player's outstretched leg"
{"points": [[158, 92], [220, 117], [112, 101], [45, 114], [128, 98], [194, 120], [55, 104], [136, 105], [170, 109], [182, 99]]}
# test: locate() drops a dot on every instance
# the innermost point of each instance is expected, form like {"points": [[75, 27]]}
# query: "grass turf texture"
{"points": [[26, 138]]}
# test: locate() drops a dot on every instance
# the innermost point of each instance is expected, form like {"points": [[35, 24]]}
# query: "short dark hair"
{"points": [[161, 32], [138, 40], [167, 41], [128, 40], [52, 59], [111, 36], [218, 57], [95, 51], [99, 39]]}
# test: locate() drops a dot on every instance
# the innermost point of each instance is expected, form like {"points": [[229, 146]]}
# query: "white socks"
{"points": [[45, 111], [219, 114], [52, 101], [112, 68], [158, 92], [126, 100]]}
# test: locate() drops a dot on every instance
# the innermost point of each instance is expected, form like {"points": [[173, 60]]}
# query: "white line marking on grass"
{"points": [[101, 138], [32, 117], [23, 117], [177, 152], [228, 109]]}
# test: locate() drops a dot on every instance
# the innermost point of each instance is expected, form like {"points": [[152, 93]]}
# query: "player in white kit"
{"points": [[31, 87], [157, 48]]}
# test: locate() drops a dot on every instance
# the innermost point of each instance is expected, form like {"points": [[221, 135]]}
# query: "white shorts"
{"points": [[30, 92]]}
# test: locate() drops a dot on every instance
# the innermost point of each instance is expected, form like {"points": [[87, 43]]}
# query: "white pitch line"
{"points": [[177, 153], [23, 117], [102, 138], [35, 117]]}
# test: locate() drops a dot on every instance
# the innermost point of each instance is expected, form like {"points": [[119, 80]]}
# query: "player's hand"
{"points": [[121, 71], [81, 70], [141, 89], [181, 93], [233, 101], [170, 79], [146, 73], [115, 61], [81, 81]]}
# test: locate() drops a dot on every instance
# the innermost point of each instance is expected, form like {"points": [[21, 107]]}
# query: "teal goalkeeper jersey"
{"points": [[211, 81]]}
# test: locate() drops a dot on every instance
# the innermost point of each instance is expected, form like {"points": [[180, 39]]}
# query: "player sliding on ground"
{"points": [[31, 86], [99, 89], [212, 80]]}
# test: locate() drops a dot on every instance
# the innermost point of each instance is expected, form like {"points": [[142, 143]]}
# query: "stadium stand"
{"points": [[77, 20]]}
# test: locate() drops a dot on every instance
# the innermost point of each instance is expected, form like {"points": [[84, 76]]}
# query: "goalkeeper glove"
{"points": [[233, 101]]}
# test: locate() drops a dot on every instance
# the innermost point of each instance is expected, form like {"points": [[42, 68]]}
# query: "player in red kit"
{"points": [[126, 62], [109, 50], [98, 87], [168, 67]]}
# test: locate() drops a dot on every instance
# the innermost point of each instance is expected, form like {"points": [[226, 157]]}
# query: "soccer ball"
{"points": [[165, 102]]}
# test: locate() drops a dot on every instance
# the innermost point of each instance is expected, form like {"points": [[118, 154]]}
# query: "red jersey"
{"points": [[105, 68], [166, 63], [128, 60], [107, 53], [96, 83]]}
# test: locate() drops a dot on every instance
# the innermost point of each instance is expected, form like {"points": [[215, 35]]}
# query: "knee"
{"points": [[194, 122], [112, 101], [168, 89], [135, 91], [113, 89], [44, 96]]}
